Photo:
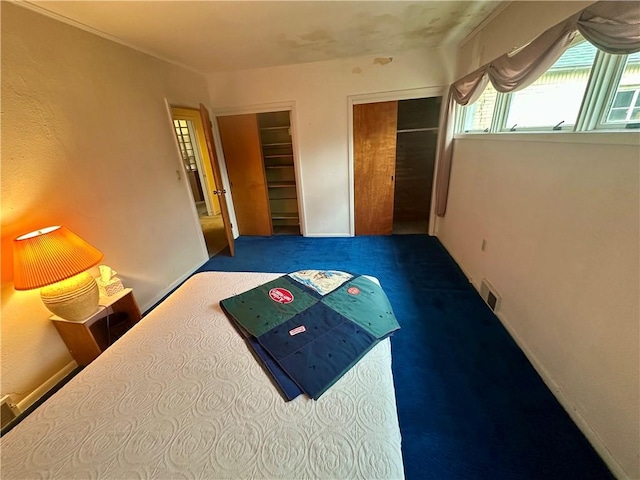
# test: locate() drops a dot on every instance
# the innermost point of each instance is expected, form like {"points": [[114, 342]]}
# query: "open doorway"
{"points": [[191, 138], [416, 145]]}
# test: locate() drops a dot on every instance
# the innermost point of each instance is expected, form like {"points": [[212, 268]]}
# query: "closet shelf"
{"points": [[284, 216], [411, 130], [282, 127], [279, 167], [281, 184]]}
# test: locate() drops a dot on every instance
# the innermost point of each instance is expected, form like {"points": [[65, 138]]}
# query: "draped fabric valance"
{"points": [[464, 90], [512, 72], [612, 26]]}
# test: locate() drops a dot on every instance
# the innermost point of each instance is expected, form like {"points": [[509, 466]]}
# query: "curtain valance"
{"points": [[613, 27]]}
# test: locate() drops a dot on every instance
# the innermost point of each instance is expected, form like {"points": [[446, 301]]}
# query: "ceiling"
{"points": [[214, 36]]}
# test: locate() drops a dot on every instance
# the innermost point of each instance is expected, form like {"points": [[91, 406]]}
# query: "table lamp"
{"points": [[56, 260]]}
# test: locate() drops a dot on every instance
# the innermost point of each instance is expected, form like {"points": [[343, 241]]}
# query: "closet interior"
{"points": [[277, 155], [416, 144]]}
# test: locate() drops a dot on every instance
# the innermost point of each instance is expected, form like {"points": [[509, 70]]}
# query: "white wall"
{"points": [[86, 142], [320, 92], [561, 219]]}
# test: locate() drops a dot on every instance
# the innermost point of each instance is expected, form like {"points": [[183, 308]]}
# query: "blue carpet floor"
{"points": [[470, 404]]}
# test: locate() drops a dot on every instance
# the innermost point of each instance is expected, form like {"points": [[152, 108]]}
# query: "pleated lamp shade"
{"points": [[56, 259]]}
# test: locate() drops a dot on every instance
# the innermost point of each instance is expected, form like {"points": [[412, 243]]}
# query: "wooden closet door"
{"points": [[374, 145], [241, 146]]}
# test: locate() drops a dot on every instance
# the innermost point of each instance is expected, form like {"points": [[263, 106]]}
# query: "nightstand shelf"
{"points": [[87, 339]]}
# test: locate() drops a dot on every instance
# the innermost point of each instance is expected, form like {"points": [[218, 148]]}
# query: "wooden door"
{"points": [[374, 149], [241, 145], [220, 192]]}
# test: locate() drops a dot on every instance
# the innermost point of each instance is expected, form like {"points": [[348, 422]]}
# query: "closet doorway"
{"points": [[259, 155], [395, 146]]}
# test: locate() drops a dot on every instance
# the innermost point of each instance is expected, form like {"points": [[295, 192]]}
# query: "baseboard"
{"points": [[459, 264], [593, 437], [43, 389], [322, 235]]}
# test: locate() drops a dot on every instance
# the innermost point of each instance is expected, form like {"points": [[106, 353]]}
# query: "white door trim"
{"points": [[181, 174]]}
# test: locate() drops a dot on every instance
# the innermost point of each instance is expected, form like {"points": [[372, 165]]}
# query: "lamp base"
{"points": [[72, 299]]}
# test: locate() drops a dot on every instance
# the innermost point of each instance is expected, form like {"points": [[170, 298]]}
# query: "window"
{"points": [[184, 142], [480, 113], [567, 97], [625, 105], [554, 99]]}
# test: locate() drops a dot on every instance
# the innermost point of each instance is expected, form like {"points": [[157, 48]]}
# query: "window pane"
{"points": [[185, 143], [557, 95], [617, 115], [627, 94], [478, 116], [623, 99]]}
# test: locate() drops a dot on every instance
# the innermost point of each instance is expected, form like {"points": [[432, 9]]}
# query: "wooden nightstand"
{"points": [[90, 337]]}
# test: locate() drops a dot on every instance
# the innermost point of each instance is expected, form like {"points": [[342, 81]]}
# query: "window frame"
{"points": [[462, 115], [602, 85], [617, 70], [192, 165]]}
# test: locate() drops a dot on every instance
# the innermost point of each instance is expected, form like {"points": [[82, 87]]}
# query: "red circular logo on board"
{"points": [[353, 290], [281, 295]]}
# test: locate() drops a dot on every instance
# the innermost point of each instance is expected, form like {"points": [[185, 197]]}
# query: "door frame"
{"points": [[181, 174], [396, 95], [207, 127], [263, 108]]}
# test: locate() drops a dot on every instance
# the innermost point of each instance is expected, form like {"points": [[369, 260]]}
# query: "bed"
{"points": [[181, 396]]}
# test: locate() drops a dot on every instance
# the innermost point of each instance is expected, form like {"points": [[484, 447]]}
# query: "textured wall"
{"points": [[87, 142]]}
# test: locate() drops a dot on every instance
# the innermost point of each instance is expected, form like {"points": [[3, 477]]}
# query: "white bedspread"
{"points": [[180, 396]]}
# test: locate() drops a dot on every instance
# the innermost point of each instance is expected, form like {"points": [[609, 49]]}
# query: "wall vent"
{"points": [[490, 295], [8, 410]]}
